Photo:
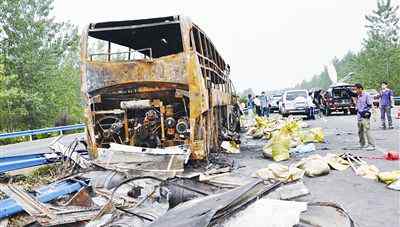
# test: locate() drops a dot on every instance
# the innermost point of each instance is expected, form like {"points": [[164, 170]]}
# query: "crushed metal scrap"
{"points": [[150, 112]]}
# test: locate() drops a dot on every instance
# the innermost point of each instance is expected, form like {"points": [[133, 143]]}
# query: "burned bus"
{"points": [[155, 83]]}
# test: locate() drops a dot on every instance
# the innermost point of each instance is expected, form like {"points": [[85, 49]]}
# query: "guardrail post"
{"points": [[30, 137], [61, 132]]}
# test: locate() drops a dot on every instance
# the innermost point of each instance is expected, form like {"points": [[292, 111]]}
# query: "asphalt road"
{"points": [[35, 146], [369, 202]]}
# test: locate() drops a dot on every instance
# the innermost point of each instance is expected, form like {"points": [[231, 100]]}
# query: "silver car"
{"points": [[296, 102]]}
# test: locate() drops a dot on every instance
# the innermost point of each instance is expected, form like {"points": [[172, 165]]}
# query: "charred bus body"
{"points": [[165, 85]]}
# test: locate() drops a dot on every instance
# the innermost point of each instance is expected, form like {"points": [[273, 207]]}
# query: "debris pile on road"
{"points": [[125, 189], [285, 136]]}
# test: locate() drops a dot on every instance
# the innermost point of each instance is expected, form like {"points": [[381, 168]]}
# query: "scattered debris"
{"points": [[203, 211], [269, 212], [9, 207], [230, 147], [280, 172], [303, 149], [293, 190], [360, 167], [395, 185], [42, 213], [392, 155], [389, 177], [314, 165], [69, 152], [336, 162]]}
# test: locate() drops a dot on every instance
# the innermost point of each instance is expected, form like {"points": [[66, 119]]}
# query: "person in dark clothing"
{"points": [[250, 104], [386, 104]]}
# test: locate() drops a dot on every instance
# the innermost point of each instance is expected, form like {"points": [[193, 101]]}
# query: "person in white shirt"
{"points": [[257, 103]]}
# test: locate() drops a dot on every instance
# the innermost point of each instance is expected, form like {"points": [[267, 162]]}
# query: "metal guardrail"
{"points": [[30, 133]]}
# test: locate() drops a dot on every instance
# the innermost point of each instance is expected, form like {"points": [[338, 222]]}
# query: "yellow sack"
{"points": [[336, 162], [261, 122], [280, 172], [280, 147], [307, 137], [367, 171], [314, 165], [290, 126], [389, 177], [318, 135]]}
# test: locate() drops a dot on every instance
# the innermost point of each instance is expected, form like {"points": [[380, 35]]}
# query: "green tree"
{"points": [[380, 57], [39, 66]]}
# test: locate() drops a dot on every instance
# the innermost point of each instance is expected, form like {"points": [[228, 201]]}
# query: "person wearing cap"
{"points": [[364, 105], [385, 105]]}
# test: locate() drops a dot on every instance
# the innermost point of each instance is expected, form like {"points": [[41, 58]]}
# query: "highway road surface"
{"points": [[35, 146]]}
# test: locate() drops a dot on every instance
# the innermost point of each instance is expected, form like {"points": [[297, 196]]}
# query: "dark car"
{"points": [[338, 99]]}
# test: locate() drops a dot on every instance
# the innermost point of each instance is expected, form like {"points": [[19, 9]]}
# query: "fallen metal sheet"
{"points": [[25, 161], [9, 207], [201, 212], [104, 179], [58, 147], [81, 198], [41, 213], [33, 207], [293, 190], [165, 162]]}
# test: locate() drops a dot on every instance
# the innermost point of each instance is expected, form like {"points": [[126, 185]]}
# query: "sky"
{"points": [[269, 44]]}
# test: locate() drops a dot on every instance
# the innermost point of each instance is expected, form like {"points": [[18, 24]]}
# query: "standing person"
{"points": [[317, 100], [257, 104], [250, 103], [364, 105], [264, 104], [385, 105]]}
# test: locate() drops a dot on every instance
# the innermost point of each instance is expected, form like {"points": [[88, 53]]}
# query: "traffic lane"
{"points": [[368, 201], [35, 146]]}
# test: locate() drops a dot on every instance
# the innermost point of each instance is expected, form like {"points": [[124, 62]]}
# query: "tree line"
{"points": [[379, 58], [39, 67]]}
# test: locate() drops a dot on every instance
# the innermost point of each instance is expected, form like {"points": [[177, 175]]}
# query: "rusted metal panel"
{"points": [[168, 69]]}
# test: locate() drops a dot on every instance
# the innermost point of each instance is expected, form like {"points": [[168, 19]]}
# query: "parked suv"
{"points": [[296, 102], [338, 99]]}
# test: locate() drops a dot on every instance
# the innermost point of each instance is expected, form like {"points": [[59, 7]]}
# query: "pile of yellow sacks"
{"points": [[283, 134]]}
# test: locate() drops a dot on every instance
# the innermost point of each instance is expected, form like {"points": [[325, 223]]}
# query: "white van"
{"points": [[296, 102]]}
